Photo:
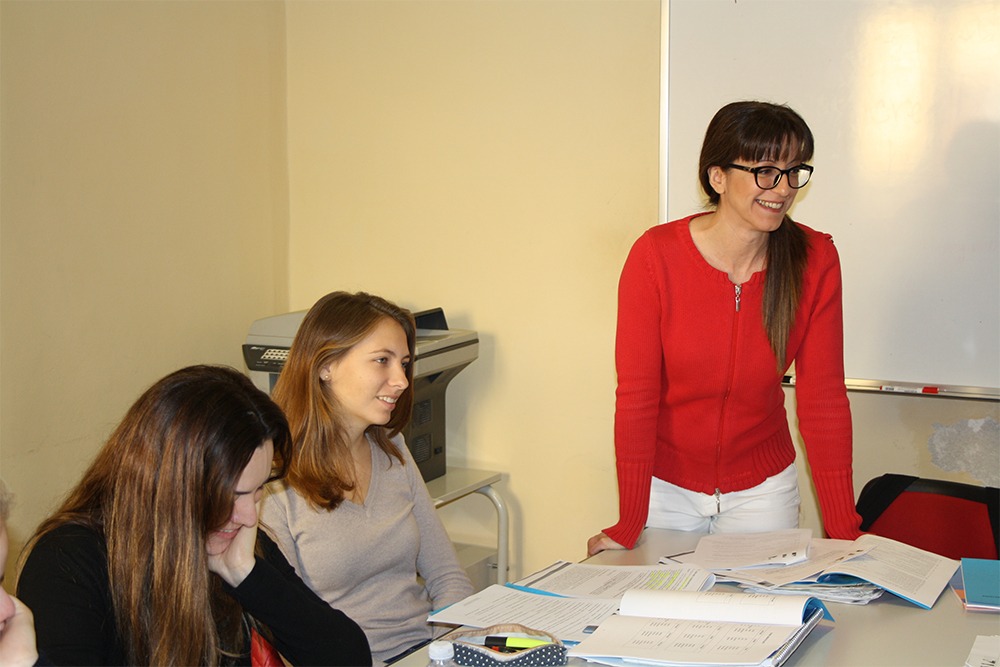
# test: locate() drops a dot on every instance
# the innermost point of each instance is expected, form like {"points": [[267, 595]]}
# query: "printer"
{"points": [[441, 353]]}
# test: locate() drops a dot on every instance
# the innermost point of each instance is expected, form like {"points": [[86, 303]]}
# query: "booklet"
{"points": [[702, 628], [981, 582]]}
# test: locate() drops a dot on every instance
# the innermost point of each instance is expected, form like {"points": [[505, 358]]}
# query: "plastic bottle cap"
{"points": [[441, 650]]}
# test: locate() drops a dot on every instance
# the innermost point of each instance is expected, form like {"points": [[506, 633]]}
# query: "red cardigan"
{"points": [[699, 398]]}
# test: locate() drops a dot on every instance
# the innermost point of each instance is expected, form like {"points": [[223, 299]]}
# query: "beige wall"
{"points": [[495, 158], [144, 214]]}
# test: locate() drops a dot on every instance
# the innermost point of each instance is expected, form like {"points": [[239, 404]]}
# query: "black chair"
{"points": [[948, 518]]}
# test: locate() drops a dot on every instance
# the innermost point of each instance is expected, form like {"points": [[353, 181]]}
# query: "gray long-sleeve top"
{"points": [[365, 559]]}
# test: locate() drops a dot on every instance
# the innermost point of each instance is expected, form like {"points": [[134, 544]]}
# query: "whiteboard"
{"points": [[904, 101]]}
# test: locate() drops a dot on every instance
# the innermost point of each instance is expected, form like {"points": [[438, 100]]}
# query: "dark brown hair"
{"points": [[320, 469], [166, 478], [761, 132]]}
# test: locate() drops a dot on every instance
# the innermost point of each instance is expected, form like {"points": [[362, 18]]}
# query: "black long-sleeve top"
{"points": [[65, 584]]}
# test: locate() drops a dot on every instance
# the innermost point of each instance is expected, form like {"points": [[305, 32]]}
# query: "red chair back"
{"points": [[948, 518]]}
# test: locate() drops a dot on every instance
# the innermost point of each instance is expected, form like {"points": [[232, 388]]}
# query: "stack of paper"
{"points": [[843, 593], [835, 570], [802, 577]]}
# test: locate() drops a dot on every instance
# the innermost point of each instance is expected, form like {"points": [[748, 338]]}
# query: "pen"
{"points": [[910, 390]]}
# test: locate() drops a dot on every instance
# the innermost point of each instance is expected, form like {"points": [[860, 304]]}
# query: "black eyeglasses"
{"points": [[768, 178]]}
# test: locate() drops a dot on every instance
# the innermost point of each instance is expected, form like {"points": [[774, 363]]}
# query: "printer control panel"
{"points": [[265, 358]]}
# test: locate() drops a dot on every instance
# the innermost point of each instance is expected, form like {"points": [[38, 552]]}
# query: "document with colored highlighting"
{"points": [[583, 580]]}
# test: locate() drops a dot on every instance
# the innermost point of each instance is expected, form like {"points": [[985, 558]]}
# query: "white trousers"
{"points": [[771, 505]]}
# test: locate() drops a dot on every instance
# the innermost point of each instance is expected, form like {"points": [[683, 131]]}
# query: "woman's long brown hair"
{"points": [[165, 478], [759, 132], [320, 468]]}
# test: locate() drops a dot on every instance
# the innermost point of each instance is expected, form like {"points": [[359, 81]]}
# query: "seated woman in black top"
{"points": [[155, 557]]}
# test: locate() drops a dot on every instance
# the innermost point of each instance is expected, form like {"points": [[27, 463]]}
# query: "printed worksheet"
{"points": [[611, 581]]}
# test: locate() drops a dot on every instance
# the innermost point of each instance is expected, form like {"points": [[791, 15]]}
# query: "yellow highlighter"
{"points": [[514, 643]]}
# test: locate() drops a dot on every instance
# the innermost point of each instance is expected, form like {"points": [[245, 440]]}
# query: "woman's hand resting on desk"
{"points": [[601, 542]]}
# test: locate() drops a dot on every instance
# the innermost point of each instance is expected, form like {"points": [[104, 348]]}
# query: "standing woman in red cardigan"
{"points": [[713, 309]]}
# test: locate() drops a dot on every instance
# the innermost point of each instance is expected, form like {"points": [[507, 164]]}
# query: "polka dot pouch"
{"points": [[507, 646]]}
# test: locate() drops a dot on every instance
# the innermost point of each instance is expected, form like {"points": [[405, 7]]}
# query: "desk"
{"points": [[458, 483], [883, 633]]}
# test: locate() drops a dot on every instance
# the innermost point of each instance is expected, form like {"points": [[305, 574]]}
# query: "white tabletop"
{"points": [[884, 633]]}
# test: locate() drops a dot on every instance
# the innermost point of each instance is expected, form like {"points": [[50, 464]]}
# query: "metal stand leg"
{"points": [[503, 528]]}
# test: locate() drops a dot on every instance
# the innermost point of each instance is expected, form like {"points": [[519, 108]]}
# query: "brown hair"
{"points": [[6, 500], [759, 132], [320, 468], [165, 478]]}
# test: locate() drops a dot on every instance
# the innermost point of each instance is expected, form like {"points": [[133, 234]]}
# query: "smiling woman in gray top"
{"points": [[353, 516]]}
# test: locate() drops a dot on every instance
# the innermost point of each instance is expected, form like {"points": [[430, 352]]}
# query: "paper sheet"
{"points": [[735, 606], [726, 551], [985, 652], [611, 581], [569, 619]]}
